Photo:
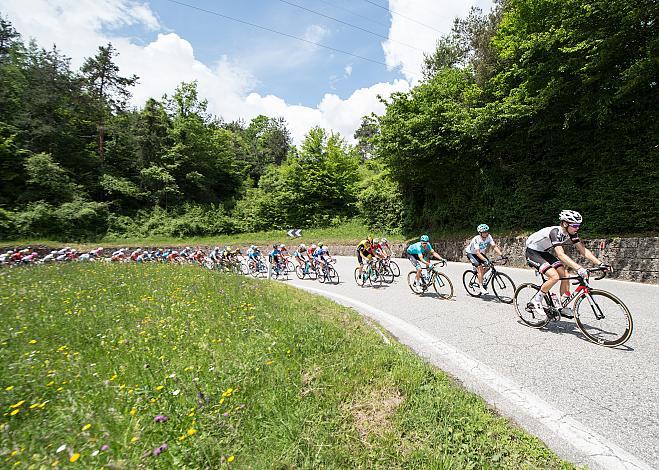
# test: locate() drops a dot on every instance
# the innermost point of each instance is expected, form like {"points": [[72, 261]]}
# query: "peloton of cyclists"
{"points": [[476, 250]]}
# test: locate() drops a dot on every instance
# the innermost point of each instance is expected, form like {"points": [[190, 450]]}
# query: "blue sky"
{"points": [[244, 71]]}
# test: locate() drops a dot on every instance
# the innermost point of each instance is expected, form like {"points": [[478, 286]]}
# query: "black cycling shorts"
{"points": [[474, 259], [415, 260], [542, 260]]}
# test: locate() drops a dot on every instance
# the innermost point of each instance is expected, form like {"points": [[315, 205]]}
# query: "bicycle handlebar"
{"points": [[604, 272]]}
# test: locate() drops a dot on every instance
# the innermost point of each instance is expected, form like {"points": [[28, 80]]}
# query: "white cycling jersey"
{"points": [[477, 243], [550, 237]]}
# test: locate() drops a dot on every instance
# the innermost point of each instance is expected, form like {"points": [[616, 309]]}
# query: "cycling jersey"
{"points": [[550, 237], [417, 249], [362, 249], [477, 243]]}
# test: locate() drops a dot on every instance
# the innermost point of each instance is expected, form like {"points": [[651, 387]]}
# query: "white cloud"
{"points": [[78, 27], [348, 70], [438, 14]]}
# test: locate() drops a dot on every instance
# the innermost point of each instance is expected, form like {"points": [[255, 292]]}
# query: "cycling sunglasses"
{"points": [[576, 226]]}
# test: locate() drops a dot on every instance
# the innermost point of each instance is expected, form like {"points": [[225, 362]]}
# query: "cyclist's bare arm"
{"points": [[480, 255], [567, 261]]}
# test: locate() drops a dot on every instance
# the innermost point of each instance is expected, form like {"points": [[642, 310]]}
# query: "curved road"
{"points": [[592, 405]]}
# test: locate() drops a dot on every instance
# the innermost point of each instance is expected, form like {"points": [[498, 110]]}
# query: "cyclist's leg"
{"points": [[414, 259], [360, 262]]}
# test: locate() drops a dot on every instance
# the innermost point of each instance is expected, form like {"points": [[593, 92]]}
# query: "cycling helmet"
{"points": [[384, 240], [303, 246], [321, 244], [425, 238], [572, 217], [376, 241], [313, 246], [483, 228], [282, 246], [325, 249]]}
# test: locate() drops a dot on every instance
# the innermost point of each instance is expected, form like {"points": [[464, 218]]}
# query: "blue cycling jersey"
{"points": [[417, 249]]}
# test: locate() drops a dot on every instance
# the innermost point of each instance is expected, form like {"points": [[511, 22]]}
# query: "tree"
{"points": [[107, 90]]}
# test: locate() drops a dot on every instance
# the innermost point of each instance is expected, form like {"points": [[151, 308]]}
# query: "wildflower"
{"points": [[133, 411], [50, 383], [16, 405], [231, 458], [33, 341], [267, 363], [182, 438], [34, 405], [86, 426], [74, 457], [160, 418], [104, 447], [176, 392], [60, 448], [134, 439], [159, 450], [113, 377], [159, 387], [192, 432], [10, 388]]}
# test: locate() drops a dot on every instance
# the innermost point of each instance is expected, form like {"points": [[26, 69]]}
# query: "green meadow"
{"points": [[157, 366]]}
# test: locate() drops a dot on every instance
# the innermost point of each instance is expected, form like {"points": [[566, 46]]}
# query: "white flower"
{"points": [[60, 448], [95, 453], [176, 392]]}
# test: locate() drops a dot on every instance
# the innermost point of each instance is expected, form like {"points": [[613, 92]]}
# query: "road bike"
{"points": [[325, 272], [392, 265], [601, 316], [280, 270], [430, 276], [306, 271], [502, 284], [371, 274], [256, 267]]}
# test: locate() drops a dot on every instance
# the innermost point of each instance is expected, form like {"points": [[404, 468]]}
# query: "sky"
{"points": [[372, 47]]}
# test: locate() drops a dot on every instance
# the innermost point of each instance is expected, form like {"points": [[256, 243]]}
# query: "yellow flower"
{"points": [[267, 363], [16, 405], [231, 458], [192, 432], [113, 377], [74, 457], [134, 439], [86, 426], [133, 411], [15, 412], [33, 341], [50, 383], [159, 387], [10, 388], [182, 438], [34, 405]]}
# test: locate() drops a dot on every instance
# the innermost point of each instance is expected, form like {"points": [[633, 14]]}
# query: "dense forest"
{"points": [[532, 107]]}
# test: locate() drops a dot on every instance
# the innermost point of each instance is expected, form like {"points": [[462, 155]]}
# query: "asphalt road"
{"points": [[593, 405]]}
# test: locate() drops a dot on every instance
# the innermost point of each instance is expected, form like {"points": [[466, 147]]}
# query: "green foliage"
{"points": [[543, 105], [379, 199], [47, 180]]}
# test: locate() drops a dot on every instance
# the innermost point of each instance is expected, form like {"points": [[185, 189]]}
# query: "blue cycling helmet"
{"points": [[483, 228], [425, 238]]}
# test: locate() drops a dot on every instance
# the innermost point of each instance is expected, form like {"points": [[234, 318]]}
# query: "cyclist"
{"points": [[310, 254], [364, 250], [275, 257], [386, 249], [545, 253], [417, 254], [476, 250], [301, 254], [322, 255]]}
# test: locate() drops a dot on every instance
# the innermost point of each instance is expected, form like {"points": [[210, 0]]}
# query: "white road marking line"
{"points": [[592, 445]]}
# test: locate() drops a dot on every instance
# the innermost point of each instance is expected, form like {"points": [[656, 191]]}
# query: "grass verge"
{"points": [[169, 367]]}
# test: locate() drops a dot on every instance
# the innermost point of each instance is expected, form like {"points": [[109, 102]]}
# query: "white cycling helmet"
{"points": [[384, 240], [483, 228], [313, 246], [303, 246], [572, 217], [376, 241]]}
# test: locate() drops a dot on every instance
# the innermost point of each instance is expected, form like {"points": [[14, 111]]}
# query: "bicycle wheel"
{"points": [[299, 272], [603, 318], [333, 275], [395, 269], [442, 285], [374, 276], [411, 277], [522, 299], [321, 275], [387, 275], [359, 279], [503, 287], [311, 272], [290, 267], [470, 281]]}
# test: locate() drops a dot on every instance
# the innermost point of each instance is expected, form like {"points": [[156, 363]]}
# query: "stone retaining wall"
{"points": [[633, 259]]}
